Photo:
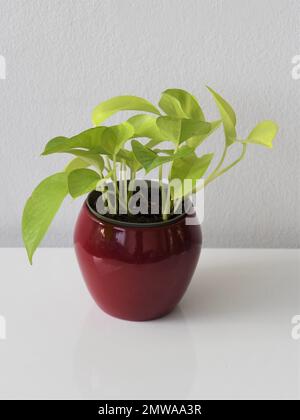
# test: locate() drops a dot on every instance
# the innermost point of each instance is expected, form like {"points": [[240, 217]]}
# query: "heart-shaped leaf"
{"points": [[92, 159], [190, 128], [190, 167], [144, 125], [182, 104], [263, 133], [143, 154], [227, 115], [41, 208], [179, 130], [82, 181], [170, 128], [129, 158], [89, 139], [121, 103], [151, 160], [76, 163], [195, 141], [115, 137]]}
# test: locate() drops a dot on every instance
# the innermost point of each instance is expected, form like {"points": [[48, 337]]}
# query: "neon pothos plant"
{"points": [[180, 121]]}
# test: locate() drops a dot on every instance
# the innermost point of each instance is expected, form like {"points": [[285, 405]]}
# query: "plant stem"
{"points": [[129, 193], [108, 165], [162, 192], [124, 184], [215, 171], [132, 174], [160, 176], [215, 174], [228, 167], [114, 177]]}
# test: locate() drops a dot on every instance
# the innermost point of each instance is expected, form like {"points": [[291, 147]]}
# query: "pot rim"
{"points": [[121, 223]]}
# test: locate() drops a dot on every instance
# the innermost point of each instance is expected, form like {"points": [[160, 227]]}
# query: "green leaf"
{"points": [[263, 133], [153, 142], [115, 137], [82, 181], [227, 115], [143, 154], [121, 103], [89, 139], [195, 141], [164, 151], [170, 128], [171, 106], [57, 145], [129, 158], [151, 160], [182, 104], [182, 152], [76, 163], [190, 167], [92, 159], [144, 125], [190, 128], [179, 130], [41, 208]]}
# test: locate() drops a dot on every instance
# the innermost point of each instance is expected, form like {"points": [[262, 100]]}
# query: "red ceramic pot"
{"points": [[136, 272]]}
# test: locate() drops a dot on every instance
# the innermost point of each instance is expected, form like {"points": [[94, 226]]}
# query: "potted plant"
{"points": [[137, 263]]}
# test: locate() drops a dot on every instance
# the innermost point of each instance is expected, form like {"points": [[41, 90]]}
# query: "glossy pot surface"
{"points": [[134, 272]]}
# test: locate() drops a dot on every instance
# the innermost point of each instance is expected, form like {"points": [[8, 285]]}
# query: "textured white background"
{"points": [[64, 56]]}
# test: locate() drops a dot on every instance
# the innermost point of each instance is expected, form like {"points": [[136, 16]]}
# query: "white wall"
{"points": [[63, 57]]}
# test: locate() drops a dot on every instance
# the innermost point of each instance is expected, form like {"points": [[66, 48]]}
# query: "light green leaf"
{"points": [[263, 133], [89, 139], [151, 160], [41, 208], [115, 137], [171, 106], [145, 126], [129, 158], [170, 128], [143, 154], [153, 142], [190, 167], [76, 163], [57, 145], [195, 141], [82, 181], [179, 130], [182, 104], [190, 128], [121, 103], [227, 115], [182, 152], [164, 151], [92, 159]]}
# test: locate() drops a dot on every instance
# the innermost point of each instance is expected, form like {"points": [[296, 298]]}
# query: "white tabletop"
{"points": [[229, 338]]}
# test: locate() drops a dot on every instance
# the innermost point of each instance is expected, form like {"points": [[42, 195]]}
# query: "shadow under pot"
{"points": [[136, 271]]}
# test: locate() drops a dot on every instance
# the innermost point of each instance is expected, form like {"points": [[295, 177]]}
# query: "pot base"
{"points": [[138, 318]]}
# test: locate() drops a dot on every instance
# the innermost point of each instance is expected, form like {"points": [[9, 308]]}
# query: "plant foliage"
{"points": [[99, 150]]}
